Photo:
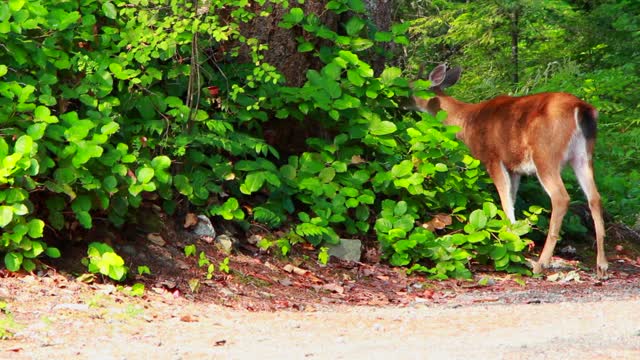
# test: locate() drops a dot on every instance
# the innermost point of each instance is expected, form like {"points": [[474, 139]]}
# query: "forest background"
{"points": [[291, 119]]}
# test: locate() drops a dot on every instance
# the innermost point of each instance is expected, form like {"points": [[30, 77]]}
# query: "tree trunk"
{"points": [[287, 135], [282, 52], [381, 14]]}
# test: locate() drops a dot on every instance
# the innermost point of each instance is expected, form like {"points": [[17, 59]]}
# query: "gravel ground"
{"points": [[78, 321]]}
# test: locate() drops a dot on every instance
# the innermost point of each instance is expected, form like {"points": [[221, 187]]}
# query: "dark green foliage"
{"points": [[106, 102], [588, 48]]}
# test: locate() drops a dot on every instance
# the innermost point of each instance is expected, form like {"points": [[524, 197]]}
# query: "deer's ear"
{"points": [[452, 77], [438, 75], [433, 106]]}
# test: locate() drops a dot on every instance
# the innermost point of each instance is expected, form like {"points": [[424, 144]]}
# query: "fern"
{"points": [[317, 234], [266, 217]]}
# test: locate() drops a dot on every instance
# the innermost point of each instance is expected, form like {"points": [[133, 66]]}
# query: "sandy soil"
{"points": [[54, 317], [269, 307]]}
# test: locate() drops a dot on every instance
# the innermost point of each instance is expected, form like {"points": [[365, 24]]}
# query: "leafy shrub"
{"points": [[101, 259], [104, 105]]}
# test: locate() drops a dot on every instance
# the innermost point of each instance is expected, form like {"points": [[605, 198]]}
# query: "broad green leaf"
{"points": [[16, 5], [305, 47], [86, 151], [400, 259], [355, 78], [4, 148], [478, 219], [65, 175], [383, 36], [357, 5], [144, 174], [52, 252], [508, 236], [3, 70], [404, 245], [498, 252], [390, 74], [24, 144], [110, 128], [13, 261], [294, 16], [36, 228], [354, 25], [502, 262], [400, 208], [110, 183], [36, 131], [440, 167], [109, 11], [253, 182], [6, 215], [382, 128], [84, 218], [183, 185], [490, 209], [347, 102], [81, 203], [477, 236], [402, 169], [28, 265], [20, 209]]}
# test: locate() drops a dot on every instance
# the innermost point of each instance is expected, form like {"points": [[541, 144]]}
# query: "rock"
{"points": [[568, 250], [156, 239], [128, 249], [254, 239], [225, 243], [347, 249], [204, 227]]}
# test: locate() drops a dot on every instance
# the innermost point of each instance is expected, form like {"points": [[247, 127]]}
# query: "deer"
{"points": [[528, 135]]}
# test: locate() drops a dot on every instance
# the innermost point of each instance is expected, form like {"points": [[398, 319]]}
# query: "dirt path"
{"points": [[78, 321], [267, 307]]}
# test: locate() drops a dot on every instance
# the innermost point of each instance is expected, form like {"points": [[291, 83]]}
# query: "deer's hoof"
{"points": [[601, 270], [535, 266]]}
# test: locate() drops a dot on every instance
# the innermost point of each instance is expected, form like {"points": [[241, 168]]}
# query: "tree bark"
{"points": [[282, 52], [380, 12]]}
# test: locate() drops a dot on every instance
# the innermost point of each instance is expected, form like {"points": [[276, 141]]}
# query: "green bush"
{"points": [[105, 101]]}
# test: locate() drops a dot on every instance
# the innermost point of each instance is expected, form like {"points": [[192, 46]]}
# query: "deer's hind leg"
{"points": [[552, 183]]}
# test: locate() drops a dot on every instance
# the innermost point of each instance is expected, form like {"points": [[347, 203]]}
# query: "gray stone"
{"points": [[347, 249], [254, 239], [204, 227], [225, 243]]}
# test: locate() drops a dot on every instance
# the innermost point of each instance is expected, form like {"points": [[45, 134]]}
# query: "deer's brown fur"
{"points": [[535, 134]]}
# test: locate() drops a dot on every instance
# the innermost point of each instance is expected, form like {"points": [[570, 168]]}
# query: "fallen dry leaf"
{"points": [[439, 222], [156, 239], [331, 287], [188, 318], [294, 269], [428, 294], [190, 220], [357, 159]]}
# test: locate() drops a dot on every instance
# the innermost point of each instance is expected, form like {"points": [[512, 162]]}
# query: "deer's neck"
{"points": [[457, 112]]}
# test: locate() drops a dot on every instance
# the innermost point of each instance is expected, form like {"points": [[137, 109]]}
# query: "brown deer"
{"points": [[534, 134]]}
